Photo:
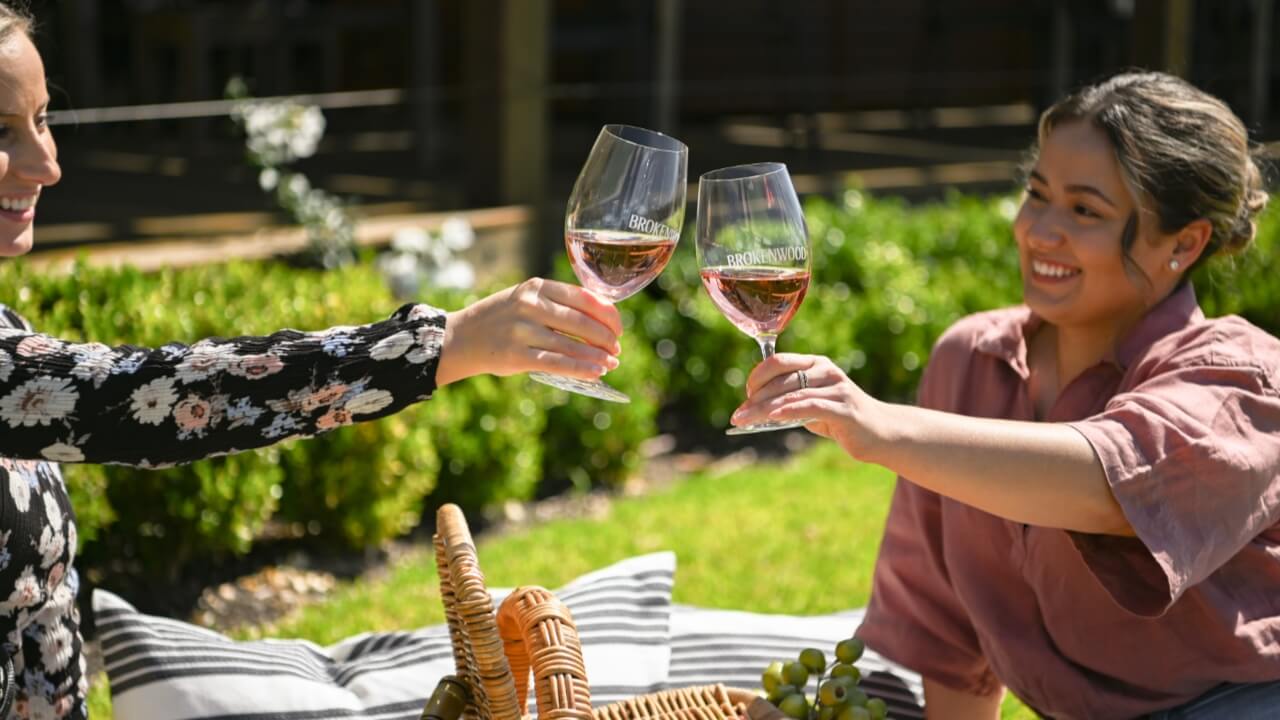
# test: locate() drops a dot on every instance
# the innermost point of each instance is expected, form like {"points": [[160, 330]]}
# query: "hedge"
{"points": [[888, 279]]}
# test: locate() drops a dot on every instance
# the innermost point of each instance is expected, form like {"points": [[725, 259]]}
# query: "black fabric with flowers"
{"points": [[87, 402]]}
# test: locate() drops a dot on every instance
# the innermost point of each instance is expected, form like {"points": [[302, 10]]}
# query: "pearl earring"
{"points": [[1174, 264]]}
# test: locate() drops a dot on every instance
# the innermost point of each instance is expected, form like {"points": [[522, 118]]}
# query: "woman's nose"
{"points": [[38, 161], [1043, 231]]}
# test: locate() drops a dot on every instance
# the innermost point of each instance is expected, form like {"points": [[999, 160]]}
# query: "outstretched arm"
{"points": [[87, 402], [1043, 474]]}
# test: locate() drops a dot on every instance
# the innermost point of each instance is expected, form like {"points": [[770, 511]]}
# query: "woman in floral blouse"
{"points": [[87, 402]]}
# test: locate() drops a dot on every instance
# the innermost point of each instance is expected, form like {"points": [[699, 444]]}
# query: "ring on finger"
{"points": [[804, 379]]}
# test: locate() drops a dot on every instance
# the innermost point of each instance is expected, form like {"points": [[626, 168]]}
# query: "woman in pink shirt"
{"points": [[1088, 507]]}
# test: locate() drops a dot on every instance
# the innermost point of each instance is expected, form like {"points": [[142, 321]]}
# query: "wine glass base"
{"points": [[591, 388], [765, 427]]}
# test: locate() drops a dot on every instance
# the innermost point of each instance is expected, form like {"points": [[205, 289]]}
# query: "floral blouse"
{"points": [[87, 402]]}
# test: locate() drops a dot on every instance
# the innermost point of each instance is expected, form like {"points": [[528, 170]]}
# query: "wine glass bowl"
{"points": [[622, 222], [753, 254]]}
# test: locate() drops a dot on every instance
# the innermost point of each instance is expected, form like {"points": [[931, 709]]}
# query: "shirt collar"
{"points": [[1006, 338]]}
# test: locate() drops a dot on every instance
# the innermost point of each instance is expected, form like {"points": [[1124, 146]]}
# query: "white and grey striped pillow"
{"points": [[734, 648], [166, 669]]}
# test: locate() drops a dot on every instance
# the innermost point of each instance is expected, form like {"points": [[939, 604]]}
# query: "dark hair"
{"points": [[13, 20], [1184, 154]]}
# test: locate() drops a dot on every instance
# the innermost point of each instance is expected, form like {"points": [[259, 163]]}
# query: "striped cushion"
{"points": [[734, 648], [161, 668]]}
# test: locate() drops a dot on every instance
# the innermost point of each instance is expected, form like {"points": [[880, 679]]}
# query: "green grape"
{"points": [[781, 692], [854, 712], [827, 712], [832, 692], [772, 676], [796, 706], [857, 698], [813, 660], [845, 670], [796, 674], [848, 651], [878, 708]]}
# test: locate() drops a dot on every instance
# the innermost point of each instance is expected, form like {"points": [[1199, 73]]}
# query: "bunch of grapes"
{"points": [[838, 696]]}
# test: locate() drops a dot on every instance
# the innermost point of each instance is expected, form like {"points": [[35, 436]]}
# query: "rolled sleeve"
{"points": [[1191, 457]]}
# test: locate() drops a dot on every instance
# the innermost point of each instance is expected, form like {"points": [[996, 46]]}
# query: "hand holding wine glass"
{"points": [[537, 325], [753, 251], [622, 223]]}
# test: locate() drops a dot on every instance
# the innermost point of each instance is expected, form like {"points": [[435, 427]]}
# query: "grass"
{"points": [[798, 537]]}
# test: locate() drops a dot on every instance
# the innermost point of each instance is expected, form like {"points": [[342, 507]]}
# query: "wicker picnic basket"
{"points": [[533, 633]]}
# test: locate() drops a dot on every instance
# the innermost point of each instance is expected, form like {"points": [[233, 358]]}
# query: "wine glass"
{"points": [[753, 251], [622, 223]]}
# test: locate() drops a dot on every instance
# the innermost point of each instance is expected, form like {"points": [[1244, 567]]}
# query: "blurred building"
{"points": [[441, 104]]}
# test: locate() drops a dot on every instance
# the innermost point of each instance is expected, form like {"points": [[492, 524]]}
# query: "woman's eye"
{"points": [[1034, 194], [42, 120], [1086, 211]]}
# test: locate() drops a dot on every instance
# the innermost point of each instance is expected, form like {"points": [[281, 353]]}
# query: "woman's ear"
{"points": [[1189, 243]]}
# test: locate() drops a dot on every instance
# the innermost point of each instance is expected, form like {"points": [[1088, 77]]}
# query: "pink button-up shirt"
{"points": [[1186, 423]]}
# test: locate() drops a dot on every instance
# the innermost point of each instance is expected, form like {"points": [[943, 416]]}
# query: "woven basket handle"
{"points": [[539, 637]]}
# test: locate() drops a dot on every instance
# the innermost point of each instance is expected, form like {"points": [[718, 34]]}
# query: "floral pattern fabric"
{"points": [[87, 402]]}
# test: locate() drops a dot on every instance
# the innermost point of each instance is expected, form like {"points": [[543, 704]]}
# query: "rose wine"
{"points": [[760, 301], [617, 264]]}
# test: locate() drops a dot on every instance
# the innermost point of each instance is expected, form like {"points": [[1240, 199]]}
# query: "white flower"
{"points": [[95, 363], [6, 365], [412, 240], [391, 347], [456, 234], [456, 274], [26, 593], [20, 490], [153, 401], [37, 345], [268, 179], [62, 452], [39, 401], [297, 184], [52, 543], [369, 401], [205, 359], [55, 646], [430, 338]]}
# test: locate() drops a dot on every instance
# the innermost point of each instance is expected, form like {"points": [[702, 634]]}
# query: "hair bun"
{"points": [[1241, 233]]}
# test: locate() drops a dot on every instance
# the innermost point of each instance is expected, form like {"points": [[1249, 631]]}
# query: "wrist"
{"points": [[452, 364], [885, 433]]}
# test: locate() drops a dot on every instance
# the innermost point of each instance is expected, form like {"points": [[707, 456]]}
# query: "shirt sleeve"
{"points": [[914, 617], [1192, 455], [87, 402]]}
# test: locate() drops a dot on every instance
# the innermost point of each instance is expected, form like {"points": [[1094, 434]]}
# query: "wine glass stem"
{"points": [[767, 343]]}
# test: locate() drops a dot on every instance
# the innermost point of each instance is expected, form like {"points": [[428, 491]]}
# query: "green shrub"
{"points": [[888, 279], [592, 443]]}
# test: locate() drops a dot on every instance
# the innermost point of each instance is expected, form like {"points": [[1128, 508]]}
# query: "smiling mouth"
{"points": [[17, 205], [1047, 269]]}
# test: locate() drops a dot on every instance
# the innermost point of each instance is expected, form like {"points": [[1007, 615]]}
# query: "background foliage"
{"points": [[888, 279]]}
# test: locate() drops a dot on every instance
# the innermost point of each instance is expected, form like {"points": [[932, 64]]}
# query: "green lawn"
{"points": [[798, 537]]}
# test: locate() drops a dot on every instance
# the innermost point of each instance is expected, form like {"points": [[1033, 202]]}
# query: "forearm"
{"points": [[942, 702], [151, 407], [1036, 473]]}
